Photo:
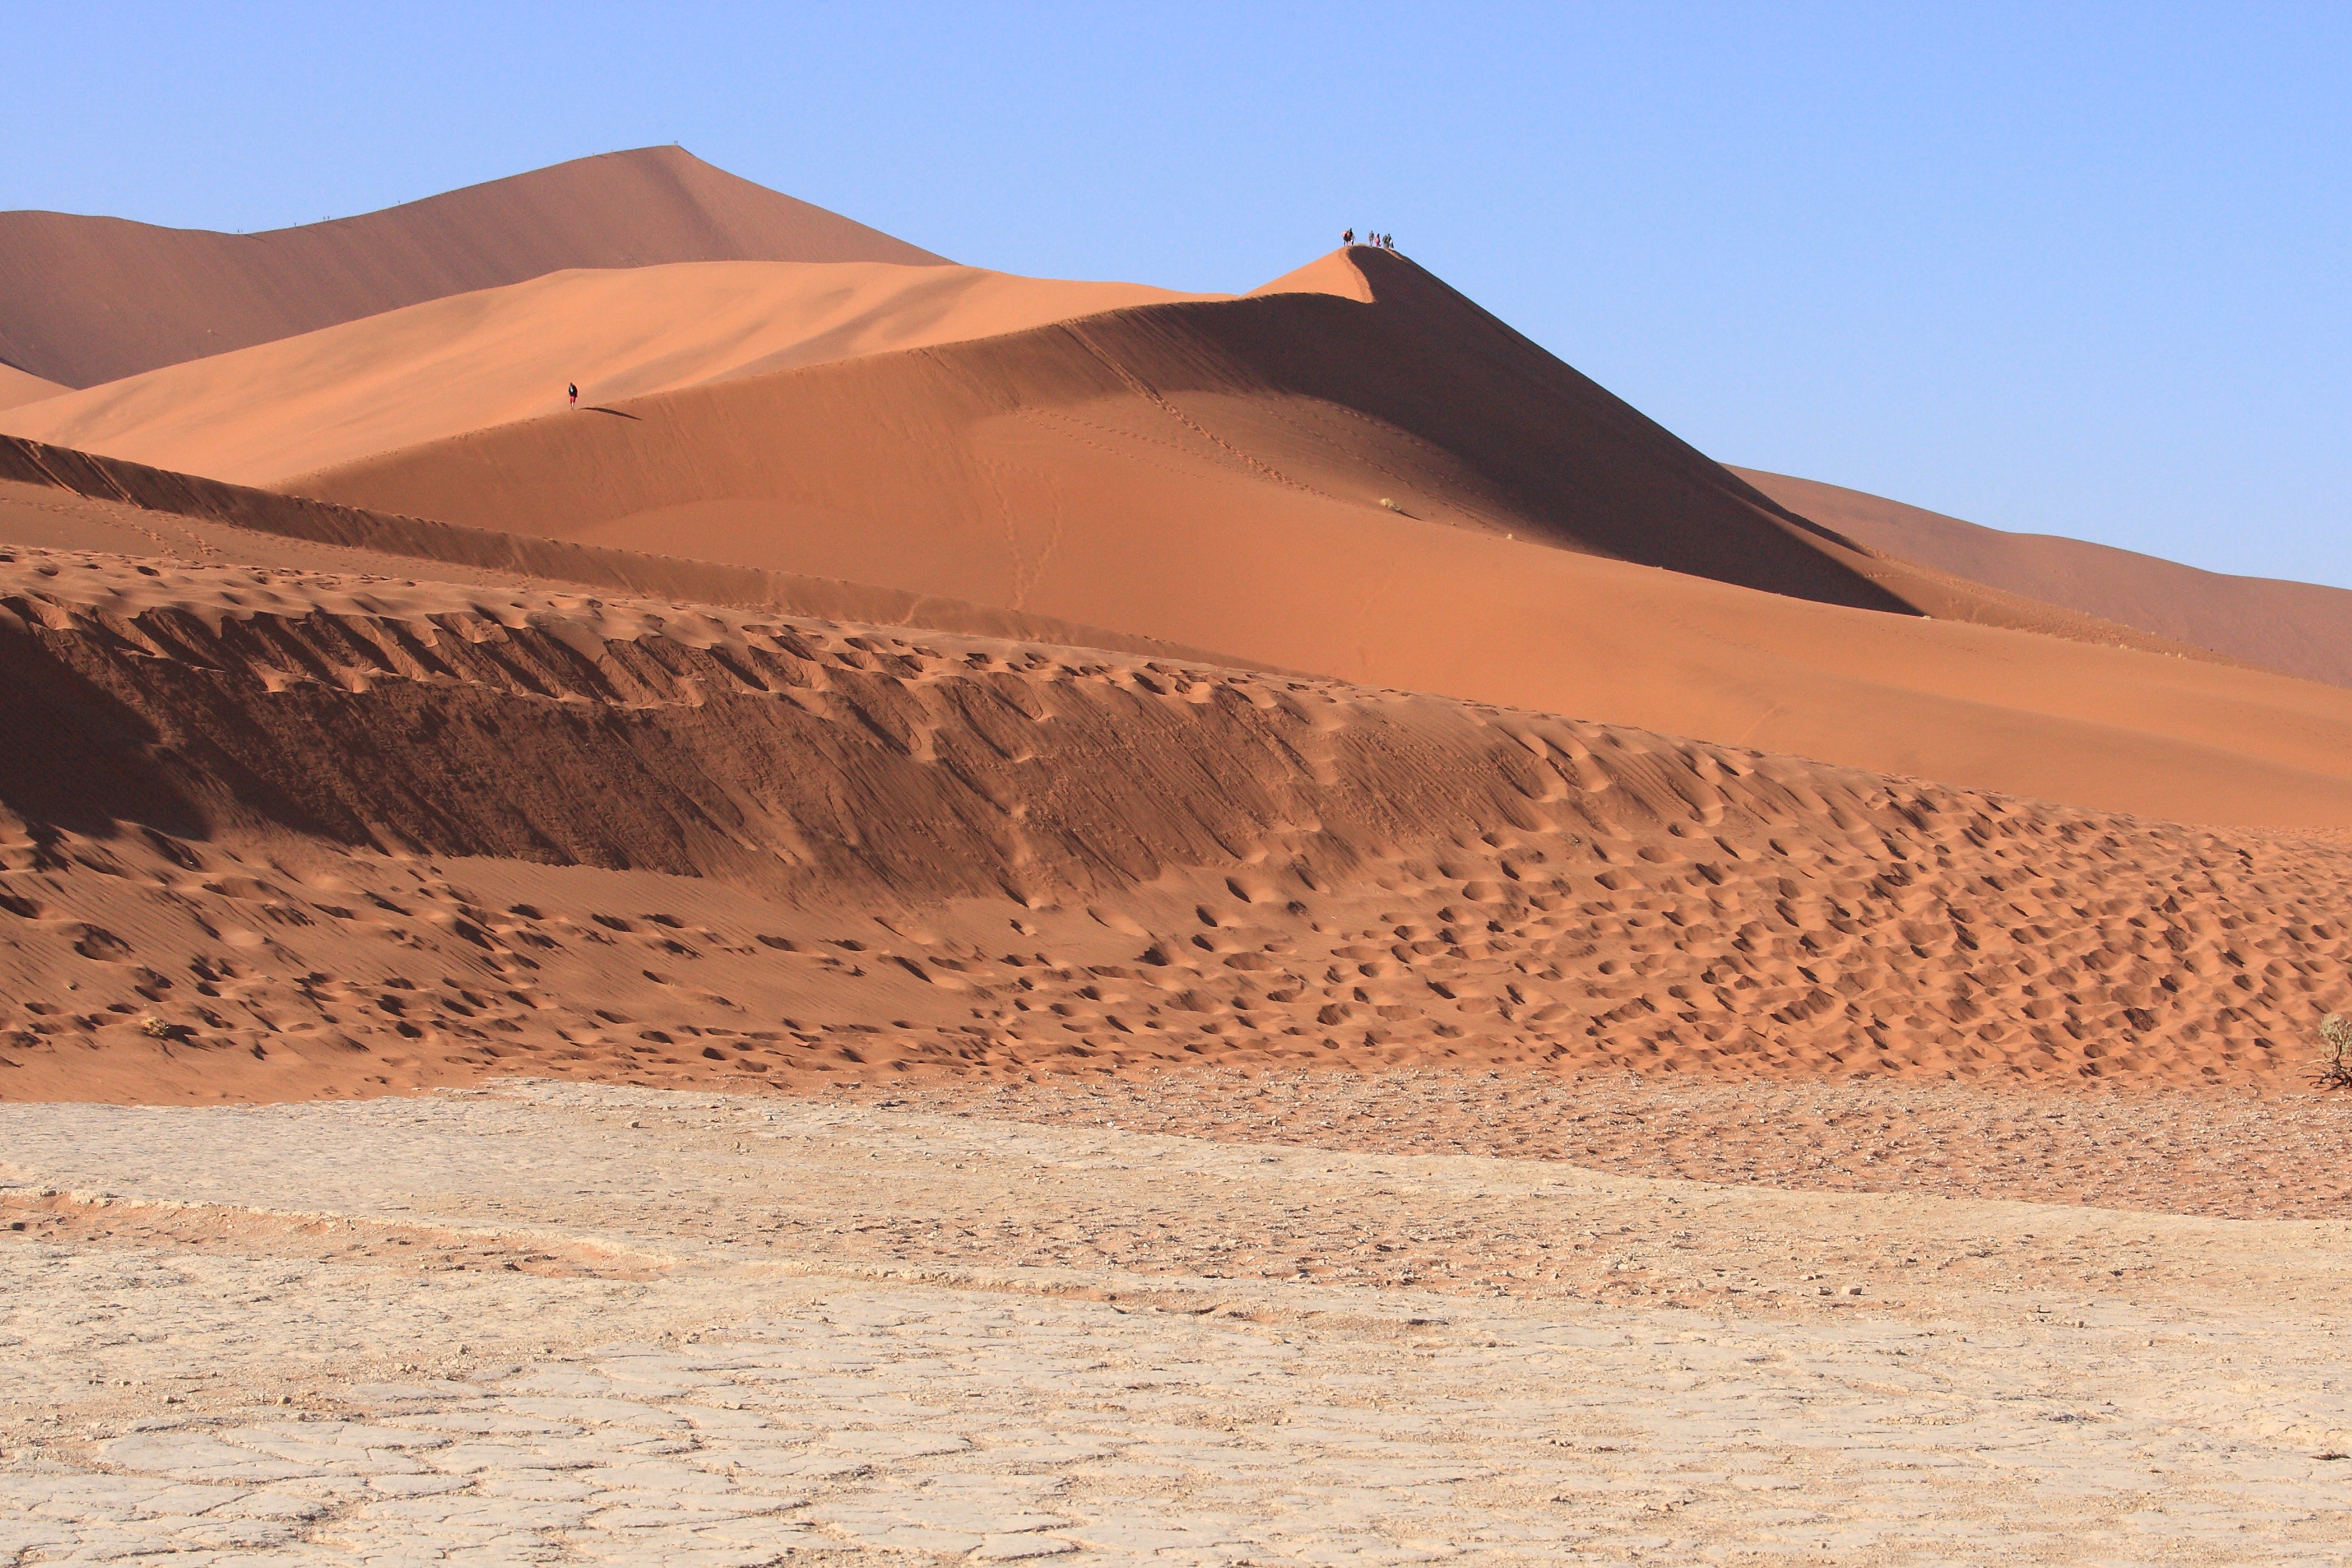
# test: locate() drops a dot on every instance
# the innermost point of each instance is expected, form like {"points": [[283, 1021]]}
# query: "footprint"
{"points": [[97, 942]]}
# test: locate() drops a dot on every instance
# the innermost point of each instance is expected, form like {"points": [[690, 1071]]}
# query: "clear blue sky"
{"points": [[2078, 270]]}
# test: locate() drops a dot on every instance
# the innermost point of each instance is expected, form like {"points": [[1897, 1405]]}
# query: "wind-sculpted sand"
{"points": [[2303, 628], [91, 300], [399, 832], [1260, 929], [18, 387], [471, 361], [1366, 476]]}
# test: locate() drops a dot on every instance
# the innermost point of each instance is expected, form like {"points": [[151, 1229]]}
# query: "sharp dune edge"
{"points": [[471, 361], [90, 300], [1213, 474], [2302, 628]]}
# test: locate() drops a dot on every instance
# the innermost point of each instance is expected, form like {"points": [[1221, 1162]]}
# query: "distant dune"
{"points": [[17, 388], [91, 300], [1212, 475], [471, 361], [2299, 628]]}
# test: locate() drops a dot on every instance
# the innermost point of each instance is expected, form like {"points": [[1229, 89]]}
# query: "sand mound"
{"points": [[90, 300], [471, 361], [1420, 399], [1213, 475], [708, 847], [18, 388], [53, 498], [2302, 628]]}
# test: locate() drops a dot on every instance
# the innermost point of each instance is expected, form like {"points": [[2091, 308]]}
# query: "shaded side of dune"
{"points": [[89, 300], [1379, 386], [1162, 472], [1538, 449], [811, 760], [2302, 628]]}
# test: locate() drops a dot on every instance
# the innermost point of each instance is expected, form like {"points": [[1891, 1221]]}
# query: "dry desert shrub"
{"points": [[2335, 1051]]}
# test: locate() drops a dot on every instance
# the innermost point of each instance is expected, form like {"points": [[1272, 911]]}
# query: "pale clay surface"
{"points": [[787, 1328]]}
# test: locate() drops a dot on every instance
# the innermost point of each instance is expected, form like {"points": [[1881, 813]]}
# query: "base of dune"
{"points": [[507, 1069]]}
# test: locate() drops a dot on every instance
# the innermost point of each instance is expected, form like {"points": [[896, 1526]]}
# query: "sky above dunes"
{"points": [[2081, 274]]}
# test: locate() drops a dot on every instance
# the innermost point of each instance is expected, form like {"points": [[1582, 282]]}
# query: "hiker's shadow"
{"points": [[616, 413]]}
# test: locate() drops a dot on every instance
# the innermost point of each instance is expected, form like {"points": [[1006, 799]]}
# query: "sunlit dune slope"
{"points": [[55, 499], [2302, 628], [19, 387], [471, 361], [90, 300], [802, 845], [1213, 474]]}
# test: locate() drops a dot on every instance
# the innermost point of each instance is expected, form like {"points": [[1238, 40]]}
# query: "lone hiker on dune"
{"points": [[574, 389]]}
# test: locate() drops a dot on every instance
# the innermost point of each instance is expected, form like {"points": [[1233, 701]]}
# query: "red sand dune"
{"points": [[556, 746], [292, 833], [2302, 628], [54, 498], [1213, 474], [90, 300], [471, 361], [18, 387]]}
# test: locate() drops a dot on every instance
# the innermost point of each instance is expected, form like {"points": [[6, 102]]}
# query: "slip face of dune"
{"points": [[472, 361], [287, 834], [2302, 628], [1214, 475], [1423, 400], [91, 300]]}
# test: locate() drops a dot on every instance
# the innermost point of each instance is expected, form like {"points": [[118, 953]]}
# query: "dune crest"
{"points": [[91, 300], [1403, 493], [1336, 275], [472, 361], [2301, 628]]}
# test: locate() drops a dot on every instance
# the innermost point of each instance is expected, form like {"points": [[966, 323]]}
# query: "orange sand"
{"points": [[89, 300], [1211, 474], [524, 741], [18, 388], [471, 361], [2302, 628], [288, 835]]}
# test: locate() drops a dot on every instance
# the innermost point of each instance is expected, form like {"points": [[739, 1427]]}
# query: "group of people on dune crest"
{"points": [[1385, 241]]}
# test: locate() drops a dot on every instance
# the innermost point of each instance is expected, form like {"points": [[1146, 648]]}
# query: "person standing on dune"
{"points": [[1349, 237], [573, 390]]}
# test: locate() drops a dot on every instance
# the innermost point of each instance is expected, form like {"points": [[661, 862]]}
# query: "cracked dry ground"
{"points": [[544, 1321]]}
